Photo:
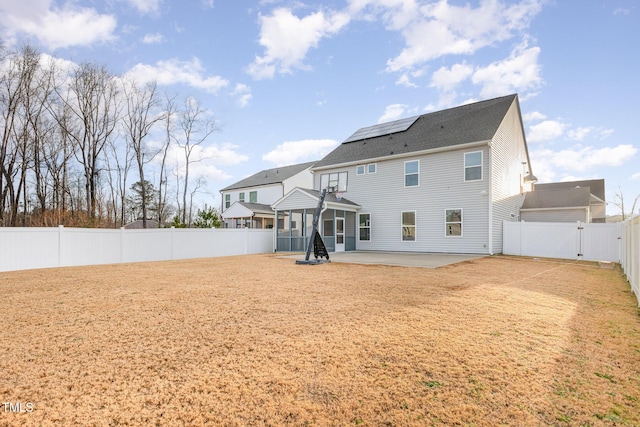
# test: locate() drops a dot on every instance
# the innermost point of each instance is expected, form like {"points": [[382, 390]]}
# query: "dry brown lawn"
{"points": [[258, 340]]}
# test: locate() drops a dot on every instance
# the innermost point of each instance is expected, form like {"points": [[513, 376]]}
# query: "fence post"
{"points": [[60, 232]]}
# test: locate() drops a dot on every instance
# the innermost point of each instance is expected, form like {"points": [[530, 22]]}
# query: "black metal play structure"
{"points": [[316, 242]]}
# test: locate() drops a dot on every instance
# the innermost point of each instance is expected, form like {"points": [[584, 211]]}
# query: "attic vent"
{"points": [[441, 126], [406, 145], [391, 152]]}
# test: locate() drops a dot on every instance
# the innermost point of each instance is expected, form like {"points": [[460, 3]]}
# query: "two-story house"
{"points": [[438, 182], [247, 203]]}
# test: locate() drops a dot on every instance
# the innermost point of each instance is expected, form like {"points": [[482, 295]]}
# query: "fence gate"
{"points": [[587, 241]]}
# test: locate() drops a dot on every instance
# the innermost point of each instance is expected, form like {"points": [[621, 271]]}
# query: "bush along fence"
{"points": [[29, 248], [630, 253]]}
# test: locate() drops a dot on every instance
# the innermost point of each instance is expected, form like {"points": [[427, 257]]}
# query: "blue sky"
{"points": [[289, 80]]}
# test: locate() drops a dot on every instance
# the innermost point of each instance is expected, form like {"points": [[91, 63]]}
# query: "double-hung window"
{"points": [[409, 226], [473, 166], [412, 173], [241, 197], [364, 225], [453, 222], [253, 197], [227, 201]]}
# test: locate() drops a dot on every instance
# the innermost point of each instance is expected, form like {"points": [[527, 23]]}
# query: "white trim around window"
{"points": [[473, 170], [412, 173], [360, 170], [409, 227], [372, 168], [453, 222]]}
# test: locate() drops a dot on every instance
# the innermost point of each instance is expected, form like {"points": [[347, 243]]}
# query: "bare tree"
{"points": [[139, 118], [170, 111], [92, 103], [618, 200], [194, 127]]}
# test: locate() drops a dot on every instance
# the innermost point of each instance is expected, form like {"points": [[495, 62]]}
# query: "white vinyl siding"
{"points": [[507, 154], [442, 187]]}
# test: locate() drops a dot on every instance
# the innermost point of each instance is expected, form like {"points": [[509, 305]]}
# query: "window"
{"points": [[371, 168], [227, 200], [473, 166], [412, 173], [337, 180], [453, 222], [253, 197], [360, 170], [241, 197], [364, 225], [409, 226]]}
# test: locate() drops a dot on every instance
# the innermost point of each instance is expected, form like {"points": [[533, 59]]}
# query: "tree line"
{"points": [[81, 146]]}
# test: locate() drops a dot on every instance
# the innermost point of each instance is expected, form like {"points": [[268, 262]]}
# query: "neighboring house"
{"points": [[566, 202], [247, 203], [439, 182]]}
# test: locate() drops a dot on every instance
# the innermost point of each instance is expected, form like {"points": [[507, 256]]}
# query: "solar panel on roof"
{"points": [[382, 129]]}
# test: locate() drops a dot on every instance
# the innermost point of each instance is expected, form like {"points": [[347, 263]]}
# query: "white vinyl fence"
{"points": [[28, 248], [615, 242], [630, 253], [567, 240]]}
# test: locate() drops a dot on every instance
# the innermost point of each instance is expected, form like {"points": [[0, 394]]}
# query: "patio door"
{"points": [[339, 234]]}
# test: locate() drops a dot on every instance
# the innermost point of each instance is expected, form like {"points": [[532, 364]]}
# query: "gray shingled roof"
{"points": [[270, 176], [257, 207], [563, 198], [461, 125], [596, 186]]}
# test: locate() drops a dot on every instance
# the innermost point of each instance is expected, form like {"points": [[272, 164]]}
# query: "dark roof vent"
{"points": [[406, 145], [391, 152]]}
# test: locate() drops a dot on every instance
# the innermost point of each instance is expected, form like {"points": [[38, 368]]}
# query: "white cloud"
{"points": [[174, 71], [621, 11], [393, 112], [287, 39], [405, 80], [206, 161], [547, 163], [546, 131], [636, 176], [243, 93], [534, 116], [292, 152], [581, 133], [146, 6], [152, 38], [56, 27], [442, 29], [519, 72], [447, 79]]}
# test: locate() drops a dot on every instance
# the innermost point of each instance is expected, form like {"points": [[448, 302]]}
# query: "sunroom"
{"points": [[294, 219]]}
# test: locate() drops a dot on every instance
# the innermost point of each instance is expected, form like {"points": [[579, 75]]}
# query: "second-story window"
{"points": [[242, 197], [253, 197], [412, 173], [473, 166], [227, 201]]}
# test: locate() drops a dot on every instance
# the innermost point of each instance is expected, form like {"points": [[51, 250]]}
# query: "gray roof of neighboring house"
{"points": [[562, 198], [596, 186], [460, 125], [270, 176], [257, 207]]}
